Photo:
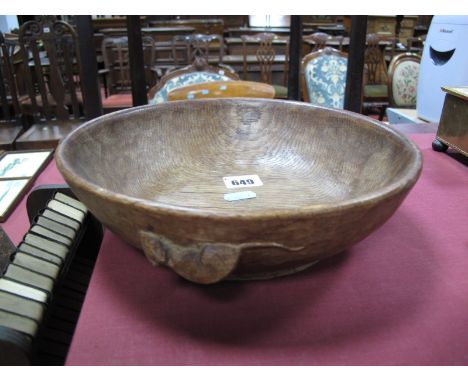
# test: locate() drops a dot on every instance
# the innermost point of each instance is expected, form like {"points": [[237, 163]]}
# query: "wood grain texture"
{"points": [[223, 89], [329, 179], [46, 135], [11, 121], [199, 65], [54, 97]]}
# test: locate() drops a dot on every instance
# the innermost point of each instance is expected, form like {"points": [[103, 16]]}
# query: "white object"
{"points": [[444, 63], [233, 196], [242, 181], [396, 116]]}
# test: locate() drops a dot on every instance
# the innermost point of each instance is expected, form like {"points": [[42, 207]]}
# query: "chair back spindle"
{"points": [[51, 68], [8, 86], [52, 77], [116, 61], [11, 119], [265, 54]]}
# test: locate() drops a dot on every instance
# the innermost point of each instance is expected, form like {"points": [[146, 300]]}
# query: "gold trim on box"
{"points": [[452, 145], [457, 91]]}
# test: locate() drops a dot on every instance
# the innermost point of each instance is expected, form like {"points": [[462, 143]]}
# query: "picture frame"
{"points": [[18, 171]]}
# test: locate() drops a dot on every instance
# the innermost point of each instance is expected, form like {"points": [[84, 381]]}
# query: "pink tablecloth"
{"points": [[398, 297]]}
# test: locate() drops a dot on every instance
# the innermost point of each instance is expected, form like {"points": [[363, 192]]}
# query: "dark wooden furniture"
{"points": [[117, 75], [208, 46], [163, 37], [53, 82], [315, 196], [279, 31], [89, 79], [159, 34], [293, 60], [235, 45], [202, 23], [375, 76], [116, 61], [320, 40], [262, 45], [200, 26], [355, 71], [100, 23], [387, 24], [416, 44], [11, 123], [332, 29], [264, 52], [318, 21]]}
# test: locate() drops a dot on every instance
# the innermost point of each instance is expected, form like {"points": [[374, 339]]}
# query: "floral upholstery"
{"points": [[326, 79], [184, 80], [405, 83]]}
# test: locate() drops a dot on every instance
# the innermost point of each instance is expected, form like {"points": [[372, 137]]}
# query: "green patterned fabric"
{"points": [[380, 91], [184, 80], [326, 80]]}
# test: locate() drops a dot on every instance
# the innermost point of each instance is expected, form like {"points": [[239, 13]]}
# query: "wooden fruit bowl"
{"points": [[155, 176]]}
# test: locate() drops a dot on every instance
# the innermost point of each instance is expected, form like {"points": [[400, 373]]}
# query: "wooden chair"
{"points": [[198, 72], [403, 74], [416, 44], [201, 25], [52, 79], [11, 123], [117, 81], [180, 52], [391, 47], [323, 77], [116, 65], [319, 40], [198, 45], [116, 62], [222, 89], [265, 54], [375, 76], [164, 46]]}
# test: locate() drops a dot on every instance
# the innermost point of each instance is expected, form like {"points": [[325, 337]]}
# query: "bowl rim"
{"points": [[405, 182]]}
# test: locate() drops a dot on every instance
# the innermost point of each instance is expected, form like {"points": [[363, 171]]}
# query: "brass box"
{"points": [[453, 125]]}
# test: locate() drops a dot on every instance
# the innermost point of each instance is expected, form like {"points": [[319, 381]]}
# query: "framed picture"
{"points": [[18, 171]]}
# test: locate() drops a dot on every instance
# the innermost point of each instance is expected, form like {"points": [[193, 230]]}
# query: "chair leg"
{"points": [[104, 80], [382, 112]]}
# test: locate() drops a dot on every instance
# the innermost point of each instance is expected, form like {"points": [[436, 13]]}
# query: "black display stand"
{"points": [[51, 344]]}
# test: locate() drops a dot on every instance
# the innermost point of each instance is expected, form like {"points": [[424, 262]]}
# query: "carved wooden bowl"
{"points": [[155, 176]]}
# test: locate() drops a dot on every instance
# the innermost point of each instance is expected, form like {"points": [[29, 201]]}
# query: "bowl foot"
{"points": [[270, 275]]}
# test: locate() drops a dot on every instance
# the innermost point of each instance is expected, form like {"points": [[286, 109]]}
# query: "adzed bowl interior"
{"points": [[155, 176]]}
